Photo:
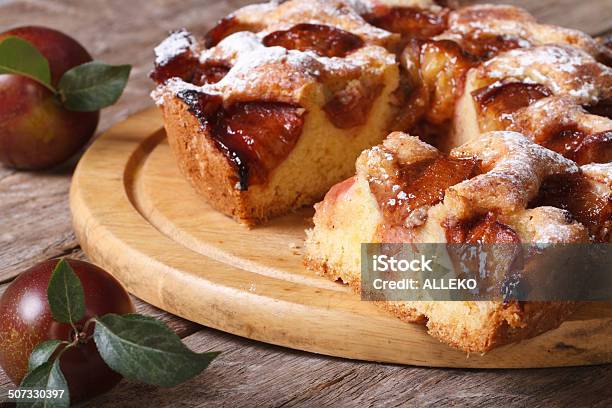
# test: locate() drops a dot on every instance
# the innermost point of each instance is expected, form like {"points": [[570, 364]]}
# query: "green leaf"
{"points": [[65, 294], [133, 317], [93, 86], [19, 57], [145, 349], [48, 376], [42, 353]]}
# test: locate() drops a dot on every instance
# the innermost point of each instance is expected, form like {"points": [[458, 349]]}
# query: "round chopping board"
{"points": [[135, 216]]}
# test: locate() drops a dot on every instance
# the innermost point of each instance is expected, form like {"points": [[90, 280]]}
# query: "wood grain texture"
{"points": [[251, 374], [121, 31], [28, 234]]}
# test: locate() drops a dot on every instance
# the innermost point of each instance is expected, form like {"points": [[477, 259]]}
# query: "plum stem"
{"points": [[74, 328], [88, 323], [61, 96], [69, 345]]}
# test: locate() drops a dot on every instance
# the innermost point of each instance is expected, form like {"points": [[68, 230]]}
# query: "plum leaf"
{"points": [[20, 57], [42, 353], [142, 348], [65, 294], [47, 377], [92, 86]]}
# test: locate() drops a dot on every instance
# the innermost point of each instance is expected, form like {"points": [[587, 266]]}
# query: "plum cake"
{"points": [[271, 107], [498, 188], [266, 122], [499, 131]]}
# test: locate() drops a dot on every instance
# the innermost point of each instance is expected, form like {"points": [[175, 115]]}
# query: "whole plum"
{"points": [[26, 321], [36, 131]]}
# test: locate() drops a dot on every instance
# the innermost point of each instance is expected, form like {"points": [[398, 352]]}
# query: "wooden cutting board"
{"points": [[135, 216]]}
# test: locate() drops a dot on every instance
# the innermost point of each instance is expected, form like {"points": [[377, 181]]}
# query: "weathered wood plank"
{"points": [[35, 219], [253, 374]]}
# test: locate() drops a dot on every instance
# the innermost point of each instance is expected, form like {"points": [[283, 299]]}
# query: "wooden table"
{"points": [[35, 226]]}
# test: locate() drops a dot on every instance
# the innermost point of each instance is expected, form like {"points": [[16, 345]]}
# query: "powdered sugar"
{"points": [[508, 146], [364, 6], [518, 62], [564, 70], [600, 172], [232, 46], [261, 70], [338, 13], [553, 232], [177, 43], [248, 67], [257, 9], [360, 6], [516, 166], [173, 86]]}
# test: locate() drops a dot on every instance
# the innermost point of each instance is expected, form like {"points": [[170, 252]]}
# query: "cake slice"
{"points": [[392, 24], [265, 123], [406, 191], [545, 93]]}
